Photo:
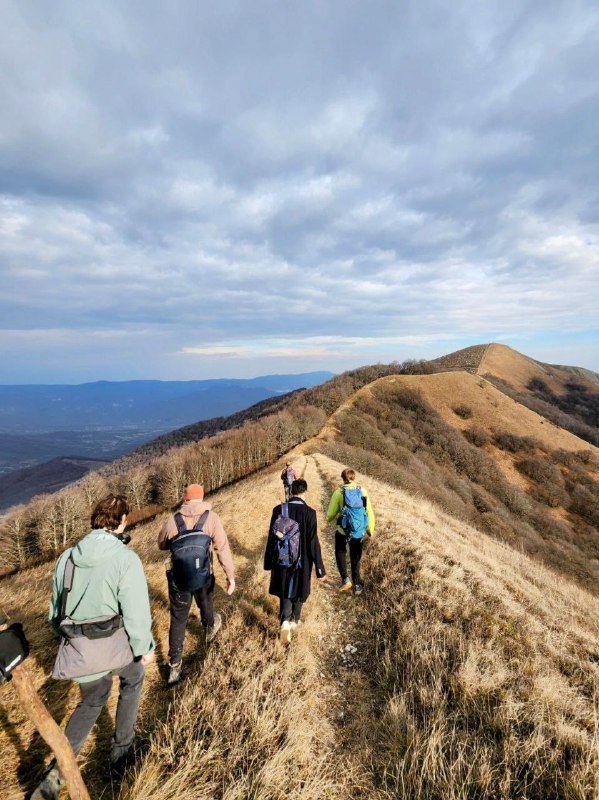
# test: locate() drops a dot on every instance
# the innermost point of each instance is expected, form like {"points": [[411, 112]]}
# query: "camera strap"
{"points": [[67, 585]]}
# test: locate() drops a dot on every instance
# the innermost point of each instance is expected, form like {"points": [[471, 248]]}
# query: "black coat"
{"points": [[310, 553]]}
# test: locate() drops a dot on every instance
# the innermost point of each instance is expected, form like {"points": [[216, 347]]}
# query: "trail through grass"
{"points": [[465, 670]]}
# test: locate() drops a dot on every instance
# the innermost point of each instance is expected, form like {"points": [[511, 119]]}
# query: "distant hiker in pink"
{"points": [[288, 475], [190, 535]]}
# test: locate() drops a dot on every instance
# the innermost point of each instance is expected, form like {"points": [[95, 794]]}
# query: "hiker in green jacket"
{"points": [[107, 581], [348, 531]]}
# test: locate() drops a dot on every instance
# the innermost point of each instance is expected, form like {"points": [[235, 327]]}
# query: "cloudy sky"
{"points": [[195, 190]]}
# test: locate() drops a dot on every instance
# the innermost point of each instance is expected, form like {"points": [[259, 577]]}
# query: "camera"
{"points": [[123, 537], [14, 648]]}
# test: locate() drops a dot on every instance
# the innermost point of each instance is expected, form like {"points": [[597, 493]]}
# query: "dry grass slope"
{"points": [[484, 664], [476, 677]]}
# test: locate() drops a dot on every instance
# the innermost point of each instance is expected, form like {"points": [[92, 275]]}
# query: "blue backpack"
{"points": [[354, 518], [190, 555]]}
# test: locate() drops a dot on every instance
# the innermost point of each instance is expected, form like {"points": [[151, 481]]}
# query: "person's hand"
{"points": [[320, 577], [230, 585], [147, 658]]}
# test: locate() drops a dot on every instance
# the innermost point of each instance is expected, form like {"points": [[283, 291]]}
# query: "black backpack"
{"points": [[191, 555]]}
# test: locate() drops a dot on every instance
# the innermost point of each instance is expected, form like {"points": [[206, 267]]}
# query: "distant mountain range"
{"points": [[137, 404], [105, 419]]}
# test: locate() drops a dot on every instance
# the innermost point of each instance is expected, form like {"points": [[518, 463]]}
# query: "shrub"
{"points": [[516, 444], [477, 436], [540, 470], [578, 415], [585, 503], [481, 501], [552, 495], [463, 411], [537, 385], [416, 367], [565, 457], [584, 456]]}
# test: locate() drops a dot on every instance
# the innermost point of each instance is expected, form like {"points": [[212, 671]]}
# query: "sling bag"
{"points": [[88, 646]]}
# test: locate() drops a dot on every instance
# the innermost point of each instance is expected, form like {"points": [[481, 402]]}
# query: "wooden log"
{"points": [[50, 732]]}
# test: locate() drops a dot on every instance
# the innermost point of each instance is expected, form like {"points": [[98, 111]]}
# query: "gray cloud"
{"points": [[230, 178]]}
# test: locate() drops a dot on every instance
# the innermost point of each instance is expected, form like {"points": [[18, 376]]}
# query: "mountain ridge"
{"points": [[500, 650]]}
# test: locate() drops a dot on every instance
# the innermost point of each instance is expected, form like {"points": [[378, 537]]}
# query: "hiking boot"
{"points": [[345, 585], [212, 630], [174, 674], [137, 750], [49, 788], [285, 637], [358, 588], [295, 624]]}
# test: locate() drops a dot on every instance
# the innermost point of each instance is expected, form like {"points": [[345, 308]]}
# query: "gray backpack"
{"points": [[88, 646]]}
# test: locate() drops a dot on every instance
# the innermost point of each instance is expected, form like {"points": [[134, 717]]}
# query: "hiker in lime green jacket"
{"points": [[350, 505]]}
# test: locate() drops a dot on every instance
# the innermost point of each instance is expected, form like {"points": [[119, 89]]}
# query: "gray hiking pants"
{"points": [[94, 696]]}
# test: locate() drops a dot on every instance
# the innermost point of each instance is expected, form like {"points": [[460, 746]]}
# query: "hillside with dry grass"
{"points": [[469, 668], [566, 396], [455, 440], [473, 671]]}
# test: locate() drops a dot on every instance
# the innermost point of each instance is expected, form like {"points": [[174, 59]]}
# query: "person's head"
{"points": [[110, 513], [299, 486], [348, 475], [288, 463], [195, 491]]}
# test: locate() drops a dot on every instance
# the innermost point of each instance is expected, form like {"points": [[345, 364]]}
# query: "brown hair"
{"points": [[348, 475], [108, 513]]}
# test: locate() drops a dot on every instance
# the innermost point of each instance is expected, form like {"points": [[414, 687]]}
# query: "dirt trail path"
{"points": [[331, 640], [326, 642], [331, 620]]}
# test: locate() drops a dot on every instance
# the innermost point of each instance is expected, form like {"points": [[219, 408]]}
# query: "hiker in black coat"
{"points": [[292, 587]]}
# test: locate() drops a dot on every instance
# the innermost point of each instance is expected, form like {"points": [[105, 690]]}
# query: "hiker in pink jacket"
{"points": [[288, 475]]}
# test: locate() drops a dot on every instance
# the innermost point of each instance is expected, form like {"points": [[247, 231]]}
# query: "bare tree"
{"points": [[136, 486], [94, 487], [15, 538], [171, 477]]}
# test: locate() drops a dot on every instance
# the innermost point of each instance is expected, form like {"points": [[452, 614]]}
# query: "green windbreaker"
{"points": [[108, 579], [336, 506]]}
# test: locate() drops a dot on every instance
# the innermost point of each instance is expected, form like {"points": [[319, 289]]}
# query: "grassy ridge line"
{"points": [[252, 720], [484, 663]]}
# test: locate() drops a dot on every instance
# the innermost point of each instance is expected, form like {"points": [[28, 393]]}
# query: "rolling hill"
{"points": [[566, 396], [467, 669]]}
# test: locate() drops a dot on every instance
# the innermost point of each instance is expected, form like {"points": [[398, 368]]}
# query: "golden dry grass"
{"points": [[485, 662], [491, 409], [472, 662], [518, 370]]}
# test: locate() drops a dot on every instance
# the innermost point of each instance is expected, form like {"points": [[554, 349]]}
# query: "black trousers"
{"points": [[180, 605], [94, 696], [290, 610], [355, 556]]}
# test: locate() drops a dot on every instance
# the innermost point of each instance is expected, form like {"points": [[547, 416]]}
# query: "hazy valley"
{"points": [[76, 425]]}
